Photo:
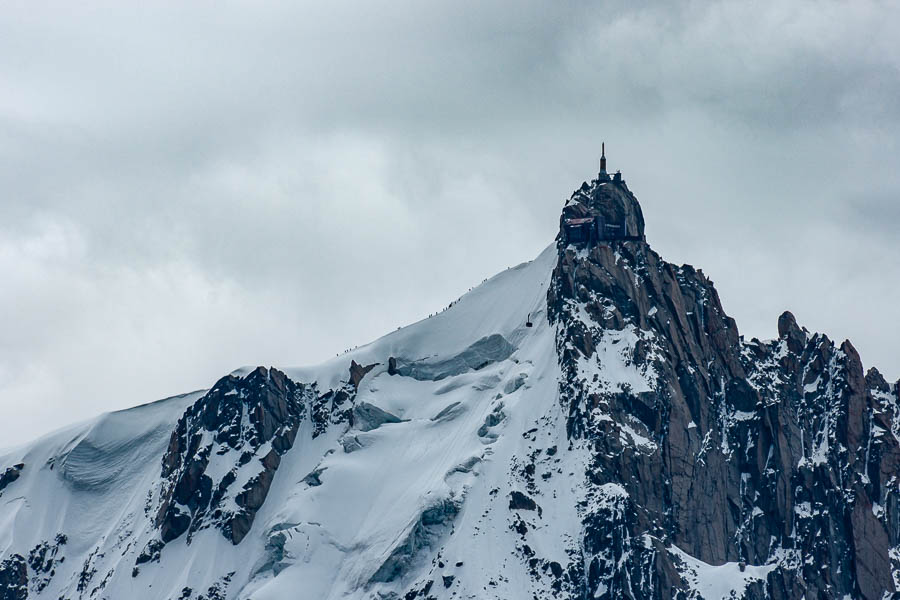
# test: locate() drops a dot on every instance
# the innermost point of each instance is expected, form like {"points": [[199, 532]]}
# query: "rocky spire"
{"points": [[612, 201], [727, 450]]}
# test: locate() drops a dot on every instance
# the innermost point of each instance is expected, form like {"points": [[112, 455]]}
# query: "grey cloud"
{"points": [[188, 188]]}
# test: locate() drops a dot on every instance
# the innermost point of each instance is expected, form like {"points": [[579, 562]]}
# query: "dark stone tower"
{"points": [[603, 158]]}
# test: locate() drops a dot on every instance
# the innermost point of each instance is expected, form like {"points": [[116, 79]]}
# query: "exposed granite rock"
{"points": [[357, 372], [43, 560], [790, 331], [14, 578], [331, 408], [729, 451], [151, 553], [519, 501], [248, 423], [10, 474], [611, 200]]}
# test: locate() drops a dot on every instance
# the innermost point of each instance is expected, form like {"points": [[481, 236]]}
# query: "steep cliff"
{"points": [[778, 455]]}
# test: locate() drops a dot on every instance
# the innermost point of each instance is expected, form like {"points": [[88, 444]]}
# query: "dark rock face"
{"points": [[19, 574], [331, 408], [790, 331], [611, 200], [238, 432], [246, 423], [43, 560], [781, 454], [519, 501], [10, 474], [832, 432], [357, 372], [14, 578]]}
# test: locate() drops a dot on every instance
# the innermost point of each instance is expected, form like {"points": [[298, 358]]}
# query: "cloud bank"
{"points": [[187, 189]]}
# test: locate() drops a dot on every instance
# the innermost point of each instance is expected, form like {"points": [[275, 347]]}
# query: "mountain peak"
{"points": [[604, 209], [589, 424]]}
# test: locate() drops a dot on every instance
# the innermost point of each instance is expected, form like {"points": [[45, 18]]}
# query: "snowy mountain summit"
{"points": [[586, 425]]}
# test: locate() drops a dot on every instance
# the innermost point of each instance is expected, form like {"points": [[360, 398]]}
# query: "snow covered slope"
{"points": [[628, 444], [383, 497]]}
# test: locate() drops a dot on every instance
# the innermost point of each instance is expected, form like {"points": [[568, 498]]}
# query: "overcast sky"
{"points": [[190, 187]]}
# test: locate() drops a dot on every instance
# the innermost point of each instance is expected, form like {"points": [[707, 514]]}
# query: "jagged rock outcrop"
{"points": [[14, 578], [10, 474], [609, 199], [244, 423], [834, 464], [780, 454], [331, 408], [357, 372]]}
